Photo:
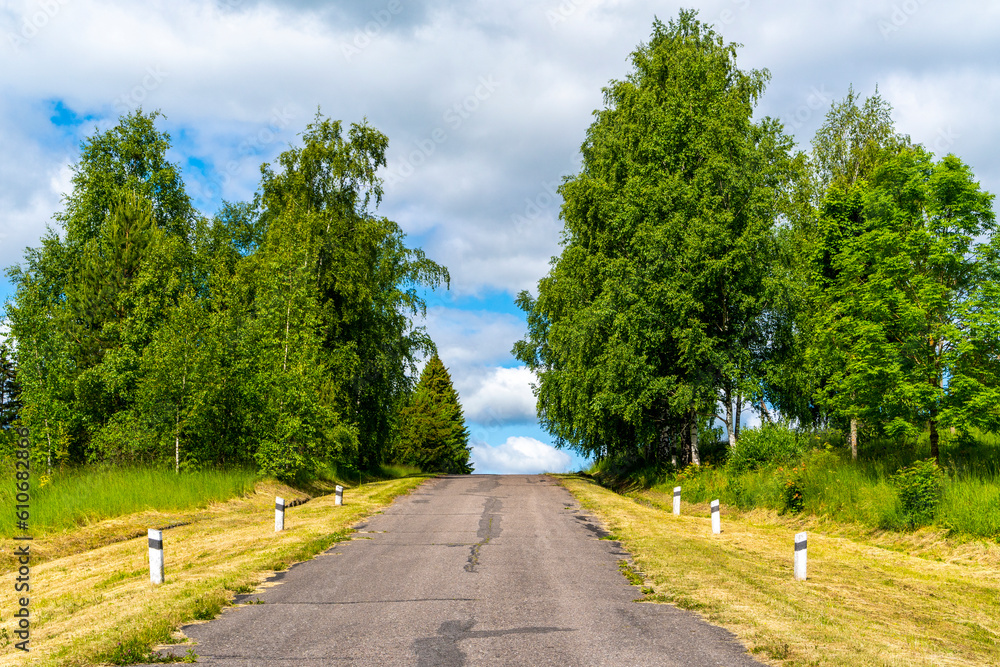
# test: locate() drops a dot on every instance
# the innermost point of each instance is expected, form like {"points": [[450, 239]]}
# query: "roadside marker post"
{"points": [[677, 501], [800, 556], [716, 521], [156, 556], [279, 514], [339, 500]]}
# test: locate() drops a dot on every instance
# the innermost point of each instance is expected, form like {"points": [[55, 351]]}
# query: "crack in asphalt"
{"points": [[489, 527]]}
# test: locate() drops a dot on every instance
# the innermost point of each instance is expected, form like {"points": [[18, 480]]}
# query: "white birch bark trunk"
{"points": [[695, 456], [854, 438]]}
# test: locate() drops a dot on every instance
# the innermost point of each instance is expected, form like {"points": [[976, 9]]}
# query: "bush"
{"points": [[792, 493], [758, 447], [919, 490]]}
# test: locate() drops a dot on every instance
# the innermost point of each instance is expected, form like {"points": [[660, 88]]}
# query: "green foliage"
{"points": [[766, 445], [433, 434], [823, 483], [919, 489], [278, 333], [792, 493], [658, 300], [88, 300], [10, 389], [902, 284], [361, 278]]}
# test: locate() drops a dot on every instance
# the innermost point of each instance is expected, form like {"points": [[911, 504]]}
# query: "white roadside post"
{"points": [[677, 501], [279, 514], [156, 556], [716, 521], [339, 500], [800, 556]]}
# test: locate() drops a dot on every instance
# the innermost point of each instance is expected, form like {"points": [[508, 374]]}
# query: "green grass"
{"points": [[78, 498], [833, 487], [349, 475], [872, 598]]}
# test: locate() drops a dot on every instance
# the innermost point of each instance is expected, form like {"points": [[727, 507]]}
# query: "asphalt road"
{"points": [[467, 570]]}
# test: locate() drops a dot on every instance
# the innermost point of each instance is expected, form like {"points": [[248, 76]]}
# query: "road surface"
{"points": [[466, 570]]}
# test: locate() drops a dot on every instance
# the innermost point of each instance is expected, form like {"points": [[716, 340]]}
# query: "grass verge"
{"points": [[98, 607], [82, 497], [869, 599]]}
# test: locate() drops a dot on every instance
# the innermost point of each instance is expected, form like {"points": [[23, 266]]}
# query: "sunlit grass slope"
{"points": [[872, 598]]}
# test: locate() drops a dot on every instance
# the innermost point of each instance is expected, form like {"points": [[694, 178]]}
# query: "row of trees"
{"points": [[277, 332], [707, 265]]}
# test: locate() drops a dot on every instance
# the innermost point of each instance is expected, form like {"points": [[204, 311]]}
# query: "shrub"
{"points": [[919, 490], [792, 494], [757, 447]]}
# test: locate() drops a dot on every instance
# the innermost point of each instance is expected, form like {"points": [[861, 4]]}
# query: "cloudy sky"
{"points": [[485, 105]]}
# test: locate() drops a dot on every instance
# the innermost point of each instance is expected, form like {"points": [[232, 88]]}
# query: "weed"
{"points": [[792, 496], [634, 577], [919, 488]]}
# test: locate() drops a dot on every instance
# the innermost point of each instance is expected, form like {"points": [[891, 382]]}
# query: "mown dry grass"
{"points": [[90, 606], [871, 598]]}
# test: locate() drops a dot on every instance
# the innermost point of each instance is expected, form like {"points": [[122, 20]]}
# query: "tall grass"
{"points": [[77, 498], [834, 487], [349, 475]]}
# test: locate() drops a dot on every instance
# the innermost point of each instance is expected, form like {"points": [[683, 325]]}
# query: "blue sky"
{"points": [[485, 106]]}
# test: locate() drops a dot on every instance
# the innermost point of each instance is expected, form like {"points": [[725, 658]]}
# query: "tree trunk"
{"points": [[854, 438], [764, 414], [695, 456], [739, 412], [665, 449], [48, 437], [177, 441], [729, 418], [932, 425]]}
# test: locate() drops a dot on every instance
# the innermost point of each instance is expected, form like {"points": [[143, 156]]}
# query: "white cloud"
{"points": [[519, 455], [503, 397], [467, 339]]}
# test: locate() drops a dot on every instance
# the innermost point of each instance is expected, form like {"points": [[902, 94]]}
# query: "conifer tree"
{"points": [[433, 431], [10, 400]]}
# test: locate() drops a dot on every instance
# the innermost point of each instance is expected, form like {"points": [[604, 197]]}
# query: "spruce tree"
{"points": [[10, 391], [433, 432]]}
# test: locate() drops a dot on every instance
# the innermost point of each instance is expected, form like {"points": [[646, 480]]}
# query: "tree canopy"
{"points": [[706, 265], [277, 332], [656, 308]]}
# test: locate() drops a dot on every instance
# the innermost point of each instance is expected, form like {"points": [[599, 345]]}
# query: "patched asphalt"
{"points": [[466, 570]]}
